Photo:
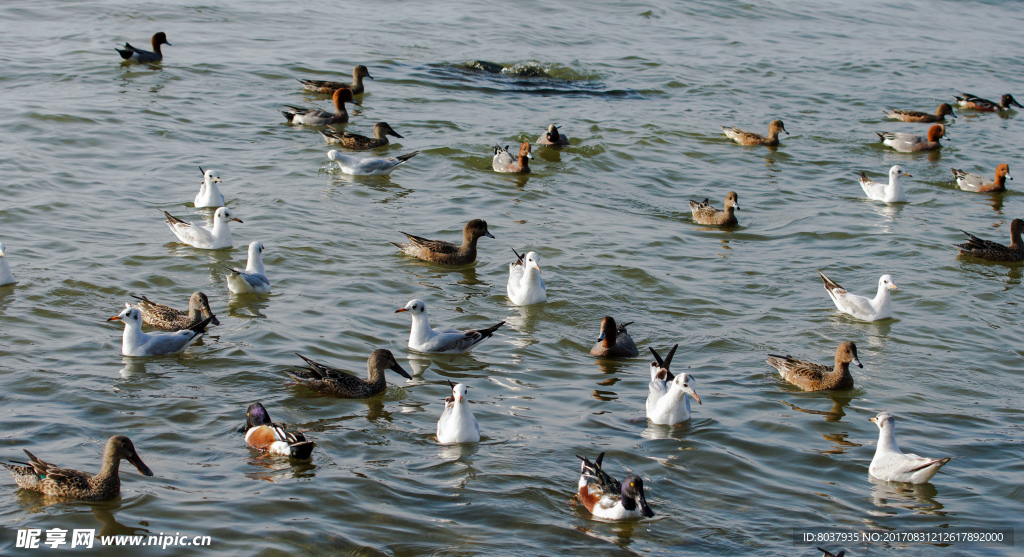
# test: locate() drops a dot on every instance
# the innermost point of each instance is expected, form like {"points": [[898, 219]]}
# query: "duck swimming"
{"points": [[607, 498], [331, 381], [810, 376], [447, 253], [319, 117], [264, 435], [132, 54], [614, 342], [169, 319]]}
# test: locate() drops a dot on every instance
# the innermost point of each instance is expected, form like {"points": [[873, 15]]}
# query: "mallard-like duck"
{"points": [[973, 182], [169, 319], [750, 138], [704, 213], [941, 112], [447, 253], [331, 381], [994, 251], [810, 376], [614, 342], [64, 483], [319, 117], [132, 54], [911, 143], [381, 131], [329, 87], [264, 435], [606, 498]]}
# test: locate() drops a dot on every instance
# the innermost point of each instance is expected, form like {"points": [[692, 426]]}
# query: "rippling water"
{"points": [[93, 150]]}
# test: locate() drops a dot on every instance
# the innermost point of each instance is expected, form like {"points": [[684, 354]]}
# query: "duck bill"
{"points": [[399, 370], [143, 469], [394, 133], [602, 337], [213, 320], [645, 509], [856, 360], [115, 318], [489, 235]]}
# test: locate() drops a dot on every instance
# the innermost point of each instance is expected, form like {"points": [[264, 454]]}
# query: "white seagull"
{"points": [[202, 237], [134, 342], [209, 195], [893, 465], [362, 165], [457, 423], [668, 401], [6, 277], [448, 341], [891, 192], [862, 307], [525, 285], [253, 280]]}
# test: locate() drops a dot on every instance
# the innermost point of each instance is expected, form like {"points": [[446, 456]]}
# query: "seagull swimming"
{"points": [[134, 342], [198, 236], [893, 465], [209, 195], [668, 398], [362, 166], [457, 423], [525, 285], [447, 341], [253, 280], [6, 277], [862, 307]]}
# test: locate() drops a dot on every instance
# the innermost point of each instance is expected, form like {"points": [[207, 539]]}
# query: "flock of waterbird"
{"points": [[669, 395]]}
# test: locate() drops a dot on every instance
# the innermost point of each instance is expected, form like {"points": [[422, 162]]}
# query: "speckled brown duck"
{"points": [[329, 87], [64, 483], [941, 112], [614, 341], [169, 319], [810, 376], [751, 138], [972, 182], [446, 253], [330, 381], [993, 251], [704, 213], [381, 131]]}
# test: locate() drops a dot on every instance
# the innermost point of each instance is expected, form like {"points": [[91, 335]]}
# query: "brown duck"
{"points": [[381, 131], [446, 253], [750, 138], [704, 213], [64, 483], [330, 381], [318, 117], [993, 251], [816, 377], [329, 87], [169, 319], [614, 342], [519, 166], [941, 112], [972, 182]]}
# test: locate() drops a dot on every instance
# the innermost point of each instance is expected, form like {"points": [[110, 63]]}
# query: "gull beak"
{"points": [[400, 310], [872, 420], [693, 393], [115, 318], [143, 469], [218, 180], [2, 253], [237, 219], [893, 286]]}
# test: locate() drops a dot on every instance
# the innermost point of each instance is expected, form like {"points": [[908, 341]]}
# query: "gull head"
{"points": [[128, 316], [2, 249], [225, 214], [414, 307], [531, 259], [459, 392], [255, 250], [897, 170], [886, 281], [884, 420], [210, 176], [686, 383], [332, 154]]}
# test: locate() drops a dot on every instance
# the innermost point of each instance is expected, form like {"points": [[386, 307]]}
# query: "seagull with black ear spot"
{"points": [[525, 285], [668, 400], [423, 338], [457, 423], [134, 342], [253, 280], [893, 465], [209, 195]]}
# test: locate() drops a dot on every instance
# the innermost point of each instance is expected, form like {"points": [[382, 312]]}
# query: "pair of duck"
{"points": [[340, 92]]}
